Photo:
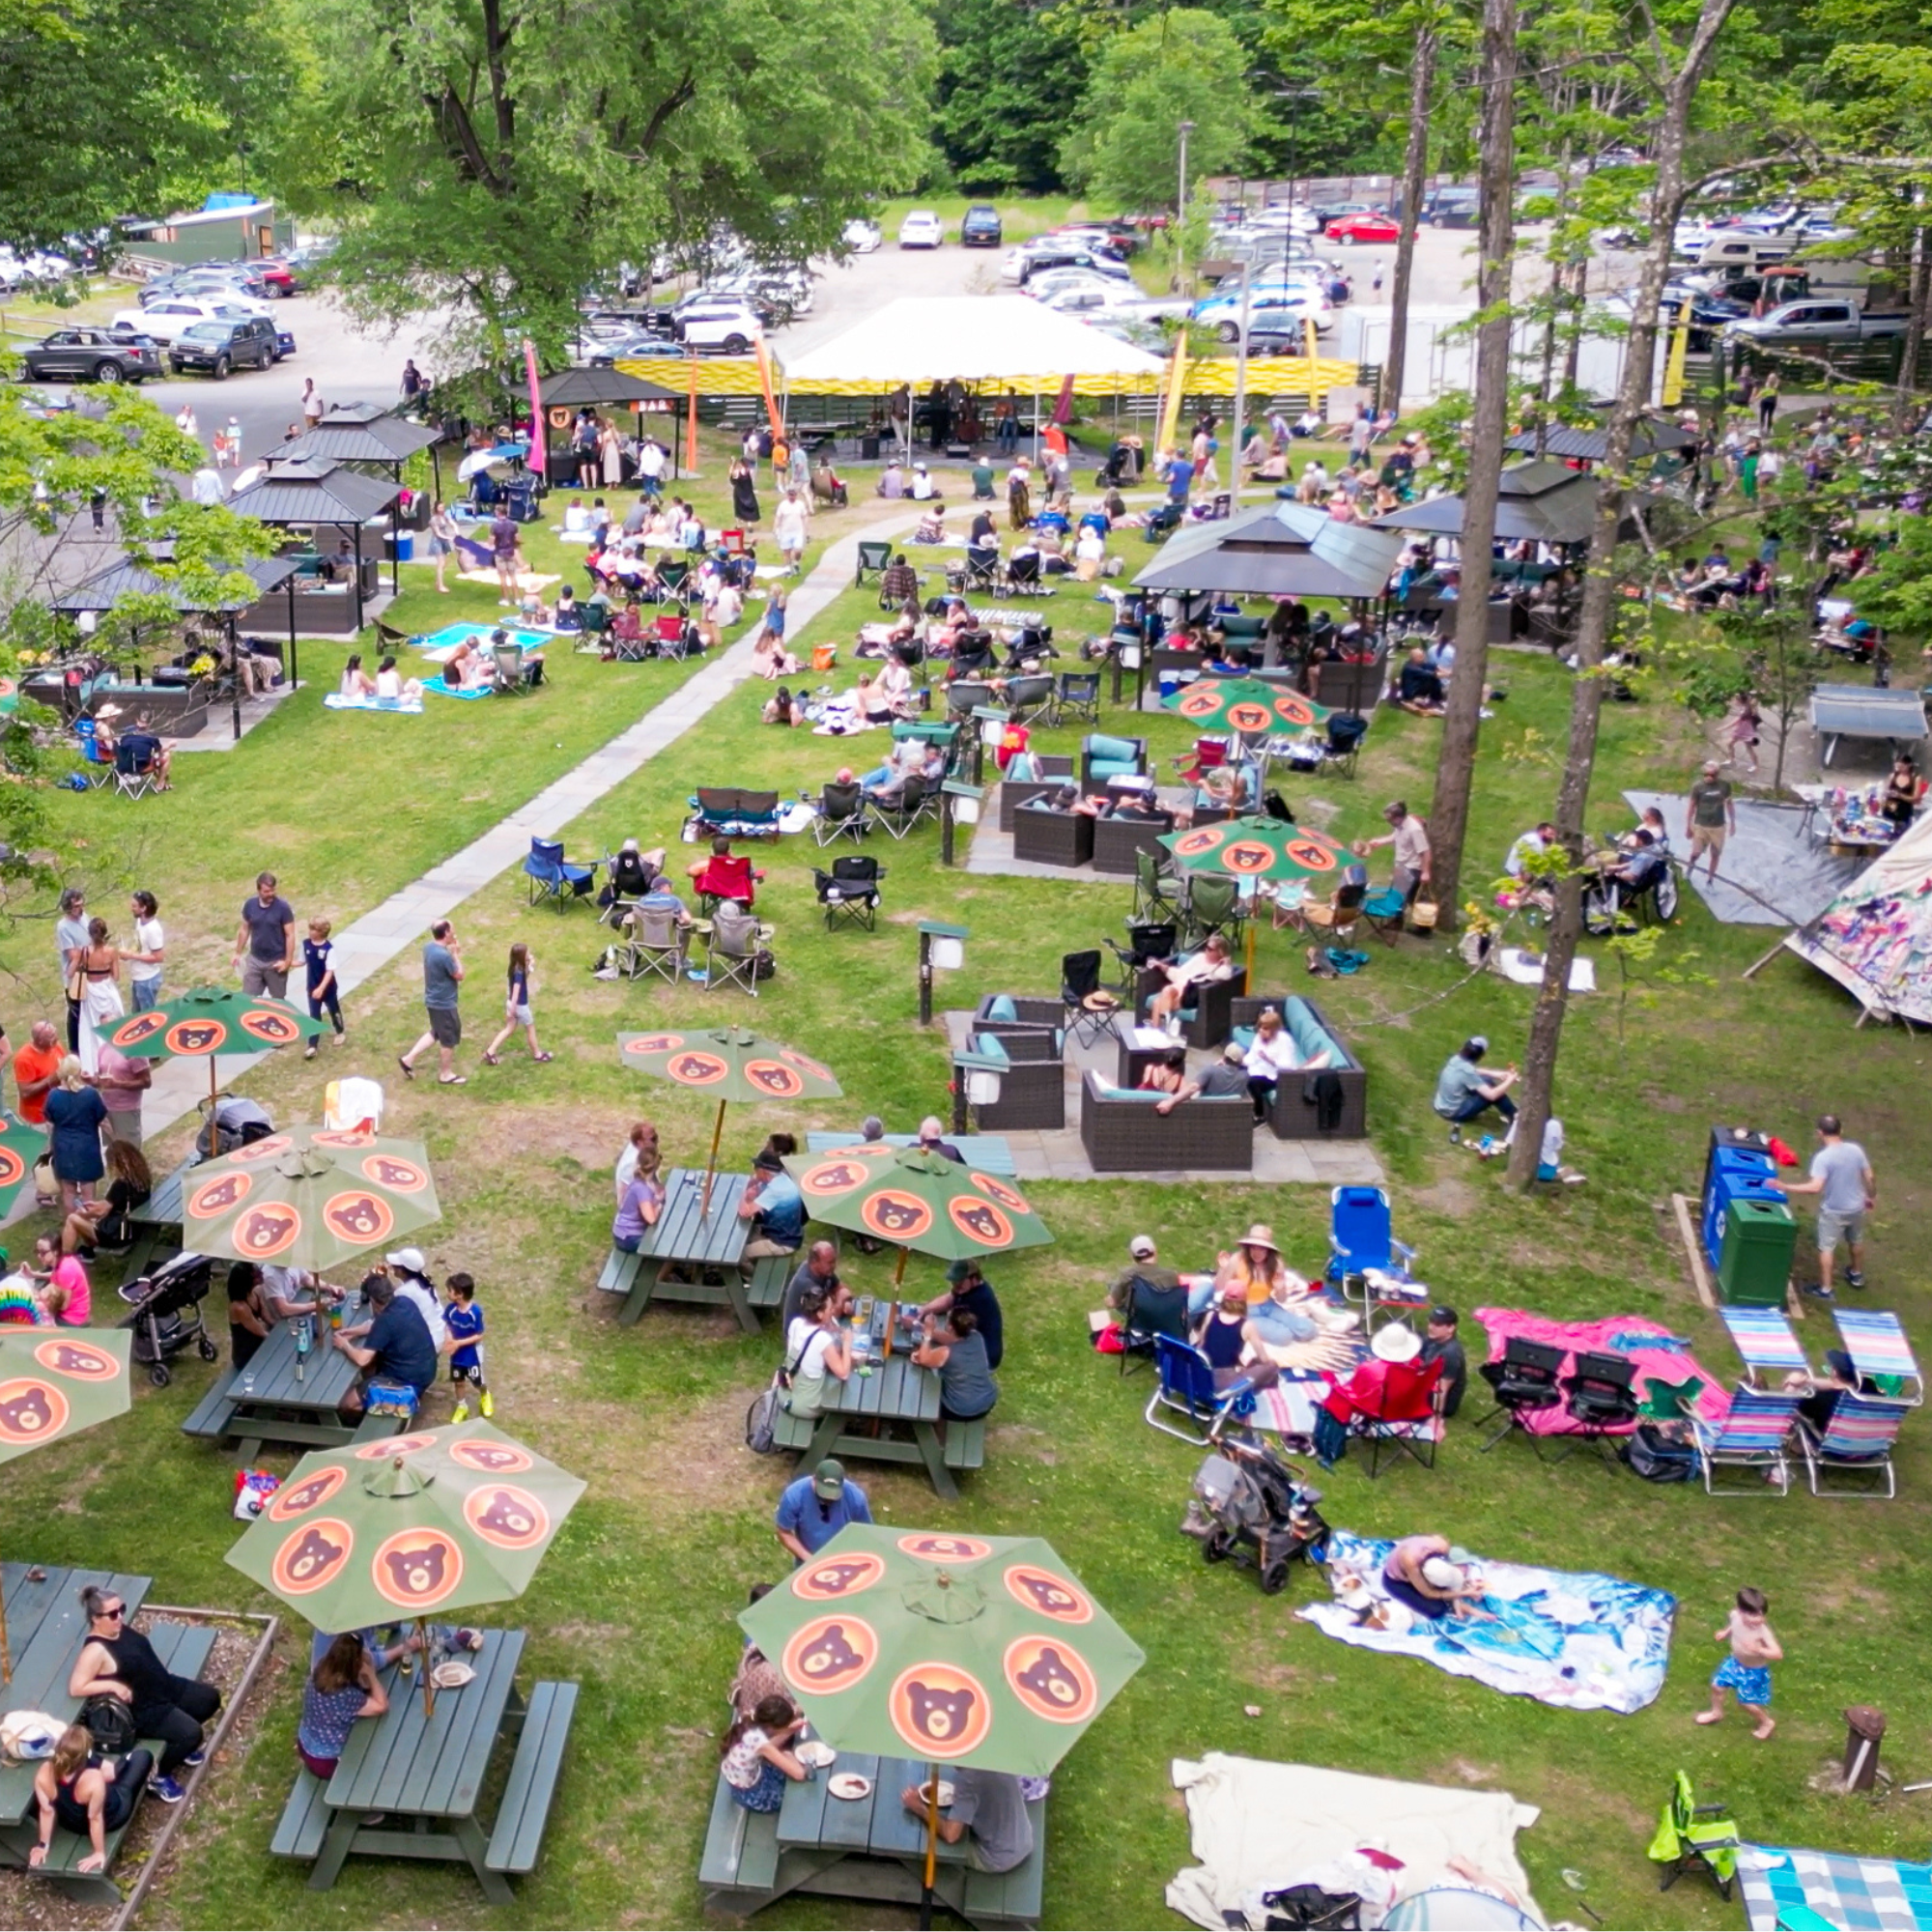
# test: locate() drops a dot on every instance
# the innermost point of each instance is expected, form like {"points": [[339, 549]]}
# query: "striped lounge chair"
{"points": [[1754, 1435], [1763, 1337], [1878, 1348], [1855, 1442]]}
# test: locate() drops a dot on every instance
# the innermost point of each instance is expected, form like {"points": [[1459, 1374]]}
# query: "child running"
{"points": [[517, 1006], [322, 988], [463, 1320], [1748, 1668]]}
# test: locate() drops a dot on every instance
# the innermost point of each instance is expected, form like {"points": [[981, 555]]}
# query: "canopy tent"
{"points": [[574, 388], [1587, 445], [135, 576], [1012, 340], [1875, 938], [315, 489], [1277, 550], [1544, 502]]}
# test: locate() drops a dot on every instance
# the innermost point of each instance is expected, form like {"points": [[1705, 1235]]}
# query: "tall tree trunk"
{"points": [[1414, 172], [1907, 392], [1455, 771], [1678, 90], [1573, 346]]}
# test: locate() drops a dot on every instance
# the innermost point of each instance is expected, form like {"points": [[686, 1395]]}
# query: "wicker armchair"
{"points": [[1294, 1116], [1054, 770], [1124, 1133], [1043, 837], [1207, 1022], [1118, 842], [1032, 1083]]}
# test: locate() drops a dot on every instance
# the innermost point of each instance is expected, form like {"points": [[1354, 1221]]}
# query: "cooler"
{"points": [[1754, 1264]]}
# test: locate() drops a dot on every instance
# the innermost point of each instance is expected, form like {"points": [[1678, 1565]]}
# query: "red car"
{"points": [[1348, 229]]}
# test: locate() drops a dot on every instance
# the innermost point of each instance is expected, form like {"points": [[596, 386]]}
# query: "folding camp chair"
{"points": [[100, 767], [507, 664], [654, 941], [727, 875], [731, 542], [1685, 1842], [873, 558], [913, 806], [1076, 693], [1028, 698], [593, 619], [1338, 916], [1150, 1312], [1763, 1337], [1344, 743], [1754, 1435], [668, 633], [982, 567], [1022, 577], [1186, 1388], [1385, 909], [674, 581], [133, 781], [843, 813], [1090, 1008], [1525, 1381], [964, 695], [732, 949], [1361, 1235], [1879, 1350], [1213, 904], [1858, 1439], [1602, 1396], [1209, 754], [850, 891], [391, 639], [554, 877], [1406, 1397], [1156, 889], [1146, 943]]}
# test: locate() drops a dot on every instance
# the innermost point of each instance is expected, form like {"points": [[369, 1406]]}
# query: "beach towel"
{"points": [[1653, 1347], [335, 702], [527, 579], [1885, 1894], [1576, 1639], [441, 690]]}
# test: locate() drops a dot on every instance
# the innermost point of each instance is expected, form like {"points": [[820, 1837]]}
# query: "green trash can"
{"points": [[1754, 1260]]}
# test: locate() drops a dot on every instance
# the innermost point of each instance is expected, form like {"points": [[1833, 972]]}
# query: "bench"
{"points": [[184, 1650], [626, 1275], [212, 1417], [963, 1448], [740, 1867], [304, 1820], [1012, 1897], [525, 1809], [620, 1272]]}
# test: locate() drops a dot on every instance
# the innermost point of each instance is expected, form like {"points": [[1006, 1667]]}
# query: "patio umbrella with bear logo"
{"points": [[55, 1382], [429, 1523], [982, 1651], [310, 1198], [209, 1020], [728, 1064]]}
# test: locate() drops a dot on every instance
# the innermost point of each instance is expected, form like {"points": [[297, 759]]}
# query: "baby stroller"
{"points": [[236, 1122], [1253, 1507], [167, 1314], [1123, 467]]}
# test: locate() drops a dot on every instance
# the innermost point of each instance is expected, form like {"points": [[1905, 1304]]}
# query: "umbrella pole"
{"points": [[892, 1312], [932, 1843], [711, 1166], [6, 1651], [423, 1659]]}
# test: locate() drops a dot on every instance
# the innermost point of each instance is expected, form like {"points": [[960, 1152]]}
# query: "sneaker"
{"points": [[310, 1054], [195, 1759], [1822, 1292], [460, 1414], [1455, 1136], [166, 1790], [486, 1404], [1854, 1278]]}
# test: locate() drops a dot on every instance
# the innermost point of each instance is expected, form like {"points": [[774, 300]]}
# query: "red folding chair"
{"points": [[733, 542], [1206, 754], [726, 877]]}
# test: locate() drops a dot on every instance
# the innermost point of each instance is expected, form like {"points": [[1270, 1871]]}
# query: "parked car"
{"points": [[1287, 308], [92, 355], [1325, 211], [980, 229], [1451, 207], [921, 229], [1039, 260], [1813, 321], [726, 323], [220, 347], [1091, 301], [168, 320], [1348, 229], [862, 237]]}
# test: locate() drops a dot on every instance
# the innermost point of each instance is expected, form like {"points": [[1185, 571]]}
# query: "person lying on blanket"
{"points": [[1420, 1576]]}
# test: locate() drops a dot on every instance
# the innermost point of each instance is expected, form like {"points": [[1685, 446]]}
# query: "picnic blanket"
{"points": [[441, 690], [1885, 1894], [1254, 1826], [526, 580], [1653, 1347], [335, 702], [1575, 1640], [437, 645]]}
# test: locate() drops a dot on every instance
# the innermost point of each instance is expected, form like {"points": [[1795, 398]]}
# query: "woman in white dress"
{"points": [[98, 965]]}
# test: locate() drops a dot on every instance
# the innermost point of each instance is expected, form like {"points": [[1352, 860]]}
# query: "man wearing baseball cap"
{"points": [[1143, 1267], [814, 1509], [967, 1288], [1710, 816], [1440, 1341]]}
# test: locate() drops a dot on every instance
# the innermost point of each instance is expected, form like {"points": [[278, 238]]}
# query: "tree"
{"points": [[1461, 723], [503, 155], [1184, 65], [1011, 75]]}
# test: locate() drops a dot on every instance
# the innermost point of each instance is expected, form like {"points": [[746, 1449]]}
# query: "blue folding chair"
{"points": [[100, 766], [1186, 1388], [553, 877], [1361, 1237]]}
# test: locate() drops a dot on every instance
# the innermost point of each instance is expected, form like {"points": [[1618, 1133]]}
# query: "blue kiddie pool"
{"points": [[452, 635]]}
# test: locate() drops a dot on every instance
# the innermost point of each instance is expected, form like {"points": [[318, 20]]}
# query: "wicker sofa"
{"points": [[1051, 770], [1001, 1012], [1118, 842], [1044, 837], [1124, 1133], [1207, 1021], [1033, 1084], [1293, 1117]]}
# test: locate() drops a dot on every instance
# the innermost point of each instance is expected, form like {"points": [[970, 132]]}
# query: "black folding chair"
{"points": [[850, 891], [1146, 943], [1076, 693], [1090, 1010], [843, 813], [1525, 1381], [873, 558], [914, 805], [1602, 1396]]}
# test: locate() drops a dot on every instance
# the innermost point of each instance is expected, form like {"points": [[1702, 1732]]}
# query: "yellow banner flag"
{"points": [[1176, 381], [1673, 392]]}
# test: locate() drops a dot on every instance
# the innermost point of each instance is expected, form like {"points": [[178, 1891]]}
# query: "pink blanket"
{"points": [[1653, 1350]]}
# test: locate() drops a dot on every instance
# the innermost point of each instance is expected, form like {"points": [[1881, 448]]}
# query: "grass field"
{"points": [[637, 1598]]}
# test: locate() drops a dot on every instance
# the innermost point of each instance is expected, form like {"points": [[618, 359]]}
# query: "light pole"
{"points": [[1181, 206]]}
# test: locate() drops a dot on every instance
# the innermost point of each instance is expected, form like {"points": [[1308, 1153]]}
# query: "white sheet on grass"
{"points": [[1256, 1825]]}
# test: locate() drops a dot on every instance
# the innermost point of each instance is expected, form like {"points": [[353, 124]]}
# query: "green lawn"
{"points": [[637, 1598]]}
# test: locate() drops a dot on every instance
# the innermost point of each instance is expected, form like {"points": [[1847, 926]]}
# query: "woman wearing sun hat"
{"points": [[1255, 1271]]}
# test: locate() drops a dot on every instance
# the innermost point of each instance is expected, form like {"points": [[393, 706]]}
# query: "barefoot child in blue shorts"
{"points": [[1748, 1668]]}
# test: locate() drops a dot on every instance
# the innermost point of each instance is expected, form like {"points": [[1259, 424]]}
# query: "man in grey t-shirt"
{"points": [[264, 941], [988, 1811], [443, 975], [1841, 1177]]}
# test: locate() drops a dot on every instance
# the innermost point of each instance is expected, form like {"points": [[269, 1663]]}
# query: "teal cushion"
{"points": [[1131, 1093], [1100, 747], [1243, 1038], [1001, 1008], [1110, 768], [991, 1045]]}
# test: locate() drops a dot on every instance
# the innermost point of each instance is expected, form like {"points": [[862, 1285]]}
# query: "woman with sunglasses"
{"points": [[118, 1660]]}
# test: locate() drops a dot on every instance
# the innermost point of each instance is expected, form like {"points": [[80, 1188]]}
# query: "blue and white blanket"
{"points": [[441, 690], [409, 707], [1572, 1638], [1883, 1894]]}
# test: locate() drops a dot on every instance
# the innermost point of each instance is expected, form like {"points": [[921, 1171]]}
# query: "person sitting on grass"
{"points": [[1267, 1285], [87, 1794], [1419, 686], [392, 686], [1422, 1576], [759, 1758], [1463, 1090]]}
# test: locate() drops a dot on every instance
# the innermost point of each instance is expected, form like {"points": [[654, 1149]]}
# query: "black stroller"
{"points": [[1252, 1506], [1123, 467], [165, 1315]]}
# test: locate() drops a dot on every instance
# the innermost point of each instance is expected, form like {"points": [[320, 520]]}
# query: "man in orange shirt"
{"points": [[36, 1068]]}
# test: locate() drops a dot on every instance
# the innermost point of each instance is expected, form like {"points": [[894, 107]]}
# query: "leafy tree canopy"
{"points": [[1009, 77]]}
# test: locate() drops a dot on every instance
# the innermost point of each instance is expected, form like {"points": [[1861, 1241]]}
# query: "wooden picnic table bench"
{"points": [[426, 1774], [694, 1256], [153, 1220]]}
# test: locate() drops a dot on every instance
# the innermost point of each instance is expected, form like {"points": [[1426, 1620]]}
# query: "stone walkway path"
{"points": [[365, 947]]}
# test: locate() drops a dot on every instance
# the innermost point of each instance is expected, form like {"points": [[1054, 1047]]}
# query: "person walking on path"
{"points": [[324, 995], [265, 944], [1709, 817], [1841, 1177], [313, 407], [1748, 1668], [1767, 404], [517, 1013], [442, 975], [145, 959]]}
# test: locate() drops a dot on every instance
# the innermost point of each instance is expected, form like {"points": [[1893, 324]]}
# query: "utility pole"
{"points": [[1180, 205]]}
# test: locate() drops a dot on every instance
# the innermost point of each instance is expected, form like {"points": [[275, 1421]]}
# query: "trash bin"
{"points": [[1755, 1259], [1724, 1140], [1727, 1185]]}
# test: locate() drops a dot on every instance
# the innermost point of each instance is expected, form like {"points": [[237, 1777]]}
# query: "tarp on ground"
{"points": [[1772, 872], [1255, 1826], [1010, 340], [1882, 1894], [1875, 938]]}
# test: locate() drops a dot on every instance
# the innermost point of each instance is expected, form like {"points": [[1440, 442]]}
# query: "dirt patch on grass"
{"points": [[1447, 1194], [1017, 1439], [703, 1446]]}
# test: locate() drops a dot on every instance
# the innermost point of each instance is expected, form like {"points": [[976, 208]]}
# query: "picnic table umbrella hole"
{"points": [[728, 1064], [54, 1383], [982, 1651], [441, 1519], [210, 1020]]}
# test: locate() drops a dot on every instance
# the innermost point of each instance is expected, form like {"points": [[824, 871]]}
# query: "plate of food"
{"points": [[815, 1753], [945, 1793], [849, 1786]]}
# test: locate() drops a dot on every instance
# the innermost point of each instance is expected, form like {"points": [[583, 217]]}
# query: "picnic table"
{"points": [[153, 1218], [688, 1256], [990, 1153], [426, 1776], [289, 1398], [888, 1411], [1866, 711]]}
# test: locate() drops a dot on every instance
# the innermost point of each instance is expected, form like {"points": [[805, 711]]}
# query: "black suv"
{"points": [[981, 228], [221, 346], [90, 355]]}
